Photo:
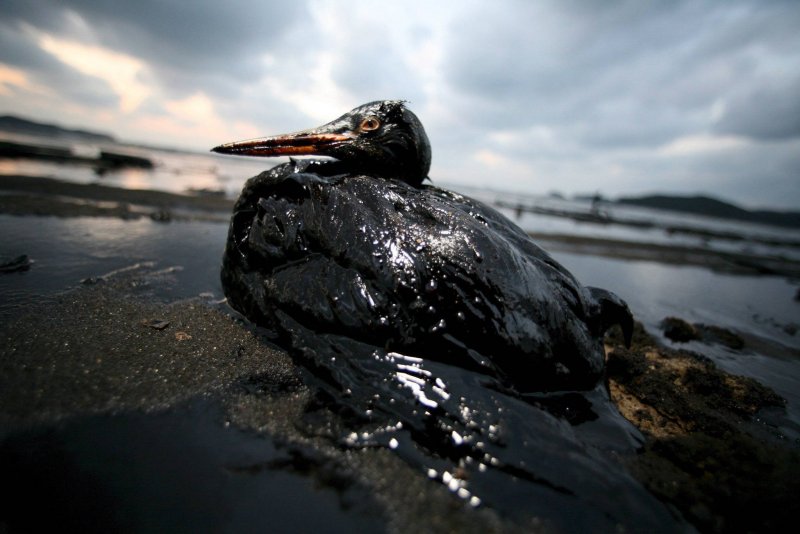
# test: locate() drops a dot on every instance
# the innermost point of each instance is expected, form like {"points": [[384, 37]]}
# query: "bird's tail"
{"points": [[612, 310]]}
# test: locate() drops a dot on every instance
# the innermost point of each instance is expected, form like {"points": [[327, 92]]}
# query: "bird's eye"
{"points": [[369, 124]]}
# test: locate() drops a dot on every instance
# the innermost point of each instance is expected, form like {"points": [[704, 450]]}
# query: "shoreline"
{"points": [[40, 195], [715, 260], [43, 196]]}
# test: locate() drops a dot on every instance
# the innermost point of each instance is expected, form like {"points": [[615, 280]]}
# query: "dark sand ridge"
{"points": [[27, 195], [112, 348]]}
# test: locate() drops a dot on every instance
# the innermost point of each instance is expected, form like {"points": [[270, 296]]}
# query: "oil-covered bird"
{"points": [[433, 326], [356, 249]]}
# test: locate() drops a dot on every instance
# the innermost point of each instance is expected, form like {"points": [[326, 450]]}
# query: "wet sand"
{"points": [[193, 371]]}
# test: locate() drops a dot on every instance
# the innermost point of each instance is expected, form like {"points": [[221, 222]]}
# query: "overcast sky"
{"points": [[621, 97]]}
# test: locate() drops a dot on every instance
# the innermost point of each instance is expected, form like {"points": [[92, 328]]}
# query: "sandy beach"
{"points": [[134, 352]]}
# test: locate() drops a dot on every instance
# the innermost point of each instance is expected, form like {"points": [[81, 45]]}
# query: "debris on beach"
{"points": [[713, 447], [680, 331], [15, 265], [156, 324]]}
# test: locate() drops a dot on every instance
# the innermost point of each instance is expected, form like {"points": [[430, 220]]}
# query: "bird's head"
{"points": [[381, 138]]}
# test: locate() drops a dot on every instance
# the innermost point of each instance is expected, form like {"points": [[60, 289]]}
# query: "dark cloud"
{"points": [[189, 35], [19, 49], [210, 45], [44, 14], [624, 73], [366, 71], [763, 111]]}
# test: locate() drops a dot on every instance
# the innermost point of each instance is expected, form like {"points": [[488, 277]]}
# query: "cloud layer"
{"points": [[621, 97]]}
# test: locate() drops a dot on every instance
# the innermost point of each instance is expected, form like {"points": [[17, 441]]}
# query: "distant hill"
{"points": [[712, 207], [10, 123]]}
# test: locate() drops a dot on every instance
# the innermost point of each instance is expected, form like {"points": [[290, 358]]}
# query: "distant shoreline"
{"points": [[712, 207], [703, 205], [697, 205], [718, 261], [19, 125], [39, 195], [103, 160], [42, 196]]}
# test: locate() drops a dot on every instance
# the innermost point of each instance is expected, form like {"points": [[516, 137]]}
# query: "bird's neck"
{"points": [[338, 167]]}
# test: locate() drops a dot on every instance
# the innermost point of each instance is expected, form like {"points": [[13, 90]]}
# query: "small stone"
{"points": [[722, 336], [679, 330], [156, 324], [161, 216], [18, 264]]}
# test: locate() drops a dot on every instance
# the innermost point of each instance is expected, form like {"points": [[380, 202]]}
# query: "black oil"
{"points": [[441, 331]]}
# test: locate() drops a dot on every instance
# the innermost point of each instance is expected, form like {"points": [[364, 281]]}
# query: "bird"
{"points": [[357, 249], [421, 313]]}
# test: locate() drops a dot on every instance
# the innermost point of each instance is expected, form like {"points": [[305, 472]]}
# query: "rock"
{"points": [[679, 330], [19, 264], [705, 452], [156, 324], [161, 215], [721, 336]]}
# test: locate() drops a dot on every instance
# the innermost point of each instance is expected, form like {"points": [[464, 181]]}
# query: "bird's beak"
{"points": [[314, 142]]}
